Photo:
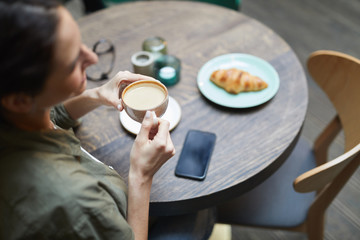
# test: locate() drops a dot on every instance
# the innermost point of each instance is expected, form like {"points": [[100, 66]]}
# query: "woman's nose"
{"points": [[90, 57]]}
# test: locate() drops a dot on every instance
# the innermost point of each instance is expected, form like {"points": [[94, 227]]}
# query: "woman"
{"points": [[49, 188]]}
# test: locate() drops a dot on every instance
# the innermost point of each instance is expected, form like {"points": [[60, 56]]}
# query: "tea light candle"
{"points": [[167, 69], [143, 63], [167, 72]]}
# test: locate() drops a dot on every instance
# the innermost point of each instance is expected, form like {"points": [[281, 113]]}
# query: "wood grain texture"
{"points": [[251, 143]]}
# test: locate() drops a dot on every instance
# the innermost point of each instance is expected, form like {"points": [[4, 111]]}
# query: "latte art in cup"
{"points": [[145, 95]]}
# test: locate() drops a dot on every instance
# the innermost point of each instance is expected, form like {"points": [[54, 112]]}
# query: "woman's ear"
{"points": [[17, 102]]}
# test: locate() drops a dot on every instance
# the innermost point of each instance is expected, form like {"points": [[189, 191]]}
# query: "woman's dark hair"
{"points": [[27, 39]]}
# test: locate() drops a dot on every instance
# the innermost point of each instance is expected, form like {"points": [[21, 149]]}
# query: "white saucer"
{"points": [[172, 114]]}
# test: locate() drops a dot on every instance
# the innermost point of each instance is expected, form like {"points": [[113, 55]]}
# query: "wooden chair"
{"points": [[297, 195]]}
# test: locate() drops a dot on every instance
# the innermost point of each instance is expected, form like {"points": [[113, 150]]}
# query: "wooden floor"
{"points": [[309, 25]]}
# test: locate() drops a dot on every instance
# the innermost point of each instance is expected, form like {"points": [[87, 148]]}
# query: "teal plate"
{"points": [[254, 65]]}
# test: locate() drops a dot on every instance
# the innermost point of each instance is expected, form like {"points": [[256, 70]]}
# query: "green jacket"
{"points": [[51, 189]]}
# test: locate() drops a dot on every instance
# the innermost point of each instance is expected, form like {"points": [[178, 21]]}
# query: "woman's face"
{"points": [[67, 77]]}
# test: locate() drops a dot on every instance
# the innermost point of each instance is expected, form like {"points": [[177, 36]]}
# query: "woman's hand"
{"points": [[110, 93], [152, 147]]}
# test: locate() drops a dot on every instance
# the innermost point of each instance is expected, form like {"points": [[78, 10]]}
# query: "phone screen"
{"points": [[195, 155]]}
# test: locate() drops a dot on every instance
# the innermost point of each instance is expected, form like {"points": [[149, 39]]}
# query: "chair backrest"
{"points": [[338, 75]]}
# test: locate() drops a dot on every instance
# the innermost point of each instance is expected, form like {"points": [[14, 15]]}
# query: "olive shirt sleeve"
{"points": [[61, 117]]}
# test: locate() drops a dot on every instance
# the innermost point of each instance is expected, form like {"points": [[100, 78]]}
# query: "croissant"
{"points": [[235, 81]]}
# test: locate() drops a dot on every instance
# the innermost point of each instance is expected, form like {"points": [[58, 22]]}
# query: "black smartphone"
{"points": [[195, 156]]}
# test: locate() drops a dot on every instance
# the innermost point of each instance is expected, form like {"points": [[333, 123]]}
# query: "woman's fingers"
{"points": [[146, 126], [163, 136]]}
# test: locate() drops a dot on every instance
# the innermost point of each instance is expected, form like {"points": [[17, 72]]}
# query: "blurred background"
{"points": [[307, 26]]}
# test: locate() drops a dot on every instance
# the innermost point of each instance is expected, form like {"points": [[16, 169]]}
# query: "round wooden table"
{"points": [[251, 142]]}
